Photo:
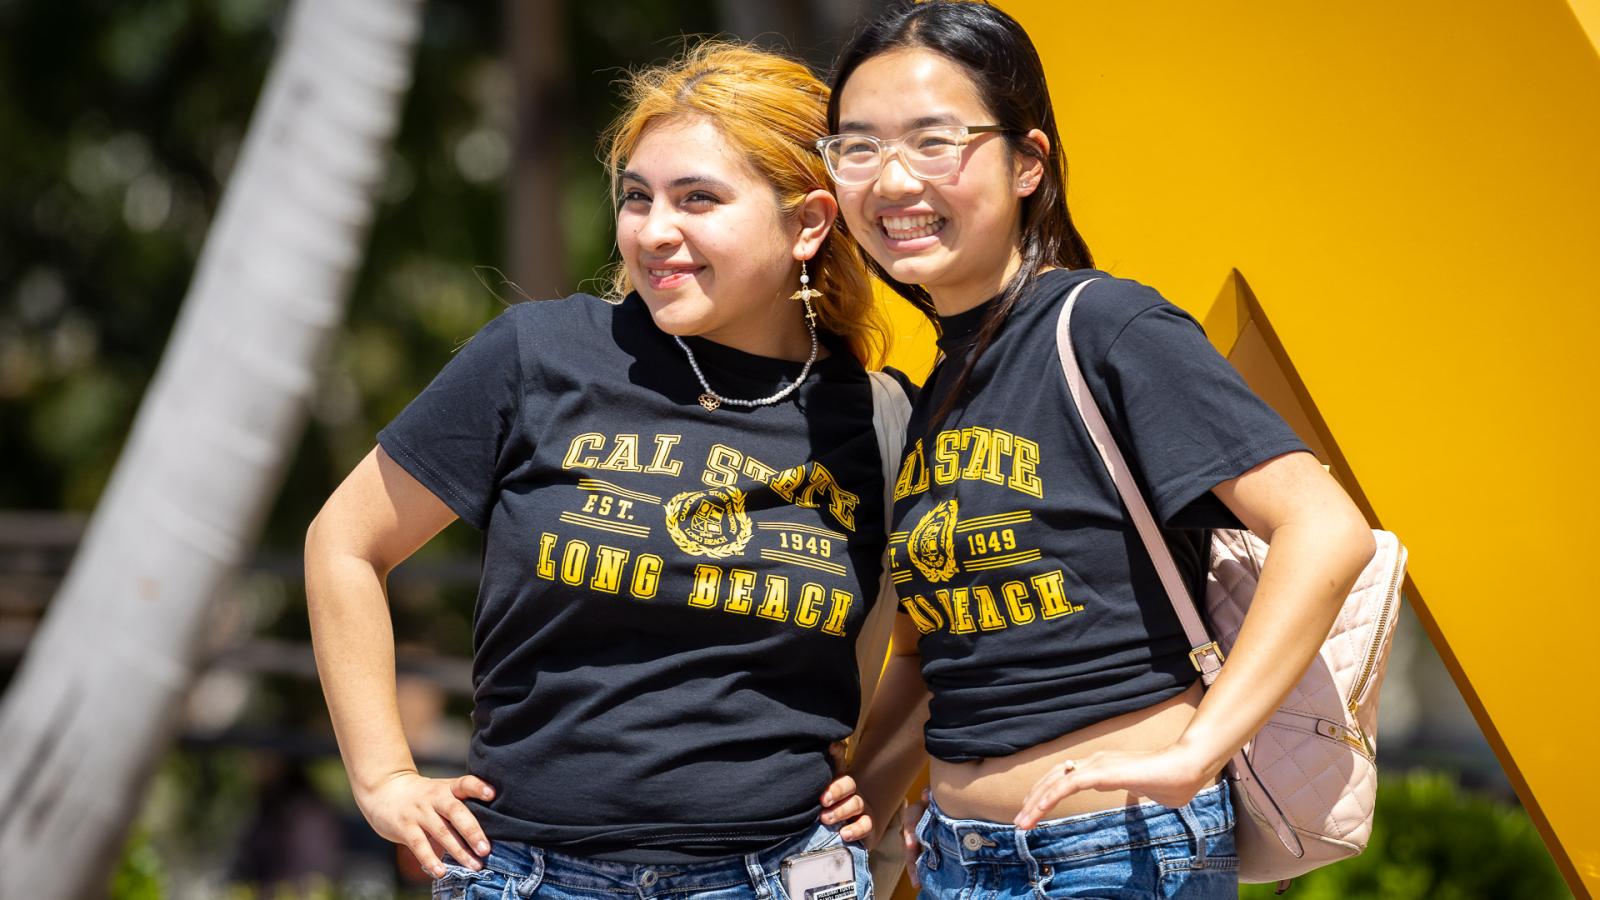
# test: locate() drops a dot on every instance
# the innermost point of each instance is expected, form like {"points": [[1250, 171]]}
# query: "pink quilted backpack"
{"points": [[1307, 782]]}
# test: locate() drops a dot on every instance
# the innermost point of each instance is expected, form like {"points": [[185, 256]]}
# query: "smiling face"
{"points": [[958, 236], [705, 244]]}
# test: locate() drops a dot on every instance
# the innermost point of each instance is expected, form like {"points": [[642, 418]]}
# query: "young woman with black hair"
{"points": [[1074, 753]]}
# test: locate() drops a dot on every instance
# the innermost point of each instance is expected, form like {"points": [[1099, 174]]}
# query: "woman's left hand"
{"points": [[1169, 777], [841, 803]]}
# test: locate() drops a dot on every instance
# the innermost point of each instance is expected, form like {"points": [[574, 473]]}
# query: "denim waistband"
{"points": [[528, 866], [975, 841]]}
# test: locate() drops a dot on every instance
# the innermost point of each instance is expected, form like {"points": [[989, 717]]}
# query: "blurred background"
{"points": [[119, 126]]}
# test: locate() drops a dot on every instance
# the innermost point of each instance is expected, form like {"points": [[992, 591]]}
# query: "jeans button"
{"points": [[648, 879], [972, 840]]}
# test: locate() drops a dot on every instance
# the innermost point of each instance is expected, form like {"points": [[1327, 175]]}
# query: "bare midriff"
{"points": [[993, 789]]}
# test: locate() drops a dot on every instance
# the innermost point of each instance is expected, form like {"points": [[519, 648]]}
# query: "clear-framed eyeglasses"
{"points": [[931, 153]]}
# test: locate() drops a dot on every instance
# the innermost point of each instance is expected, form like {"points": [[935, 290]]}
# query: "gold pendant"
{"points": [[805, 293], [709, 402]]}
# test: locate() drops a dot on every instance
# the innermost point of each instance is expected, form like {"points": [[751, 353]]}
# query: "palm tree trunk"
{"points": [[816, 30], [536, 52], [94, 703], [783, 24]]}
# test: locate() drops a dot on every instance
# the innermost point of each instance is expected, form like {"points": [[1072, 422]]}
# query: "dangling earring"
{"points": [[712, 400], [805, 294]]}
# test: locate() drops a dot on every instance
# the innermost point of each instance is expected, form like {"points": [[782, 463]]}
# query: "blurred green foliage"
{"points": [[119, 124], [140, 874], [1430, 839]]}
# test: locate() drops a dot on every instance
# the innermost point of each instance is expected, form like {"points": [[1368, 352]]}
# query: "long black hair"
{"points": [[998, 56]]}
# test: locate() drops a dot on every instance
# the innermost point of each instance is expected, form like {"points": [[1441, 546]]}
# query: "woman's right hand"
{"points": [[426, 816], [909, 817]]}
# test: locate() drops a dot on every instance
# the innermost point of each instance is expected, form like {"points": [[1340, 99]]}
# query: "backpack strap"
{"points": [[891, 411], [1205, 654]]}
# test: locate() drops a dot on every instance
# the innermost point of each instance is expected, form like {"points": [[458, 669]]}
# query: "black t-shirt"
{"points": [[1040, 610], [665, 628]]}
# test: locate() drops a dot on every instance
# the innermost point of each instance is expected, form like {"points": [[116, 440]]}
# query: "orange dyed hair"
{"points": [[772, 110]]}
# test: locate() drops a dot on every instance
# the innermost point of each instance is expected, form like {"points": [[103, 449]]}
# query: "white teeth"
{"points": [[903, 228], [903, 223], [664, 273]]}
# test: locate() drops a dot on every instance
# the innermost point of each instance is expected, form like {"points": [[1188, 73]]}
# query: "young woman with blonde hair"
{"points": [[682, 502]]}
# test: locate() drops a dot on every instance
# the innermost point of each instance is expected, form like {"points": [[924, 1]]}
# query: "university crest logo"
{"points": [[932, 544], [709, 523]]}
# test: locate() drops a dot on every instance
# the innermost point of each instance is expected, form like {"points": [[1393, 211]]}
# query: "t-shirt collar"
{"points": [[957, 332]]}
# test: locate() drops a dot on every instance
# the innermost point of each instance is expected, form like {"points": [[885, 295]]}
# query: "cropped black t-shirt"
{"points": [[665, 627], [1040, 612]]}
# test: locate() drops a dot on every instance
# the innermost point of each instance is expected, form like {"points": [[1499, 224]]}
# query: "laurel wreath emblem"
{"points": [[932, 544], [709, 523]]}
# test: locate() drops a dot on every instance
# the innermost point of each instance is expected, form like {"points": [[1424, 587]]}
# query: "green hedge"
{"points": [[1433, 840]]}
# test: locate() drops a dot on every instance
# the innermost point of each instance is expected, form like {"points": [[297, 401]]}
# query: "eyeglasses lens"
{"points": [[930, 153]]}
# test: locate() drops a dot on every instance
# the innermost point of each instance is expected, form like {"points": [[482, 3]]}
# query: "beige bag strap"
{"points": [[891, 410], [1206, 655]]}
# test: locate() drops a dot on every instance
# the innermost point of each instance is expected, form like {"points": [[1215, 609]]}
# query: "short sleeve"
{"points": [[1188, 419], [453, 435]]}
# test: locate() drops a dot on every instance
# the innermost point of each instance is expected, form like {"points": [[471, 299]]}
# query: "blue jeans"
{"points": [[1138, 851], [516, 870]]}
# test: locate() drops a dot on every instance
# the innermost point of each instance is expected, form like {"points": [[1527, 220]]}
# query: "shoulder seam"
{"points": [[1126, 325]]}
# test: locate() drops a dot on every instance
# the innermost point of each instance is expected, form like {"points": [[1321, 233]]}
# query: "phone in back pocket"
{"points": [[820, 875]]}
